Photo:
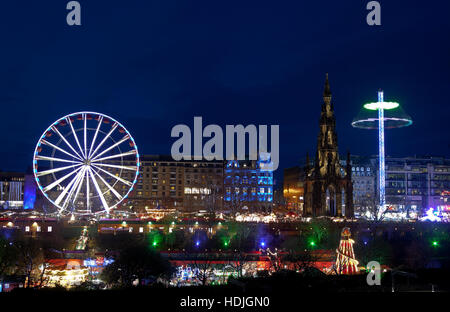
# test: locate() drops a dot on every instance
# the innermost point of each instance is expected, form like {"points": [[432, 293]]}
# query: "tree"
{"points": [[373, 209], [240, 234], [238, 262], [8, 257], [300, 260], [136, 263], [378, 249], [202, 263], [274, 257], [30, 261]]}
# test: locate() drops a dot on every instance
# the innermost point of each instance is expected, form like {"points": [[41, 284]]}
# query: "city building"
{"points": [[415, 184], [248, 185], [32, 226], [187, 186], [364, 174], [12, 187], [293, 188], [363, 179], [328, 185]]}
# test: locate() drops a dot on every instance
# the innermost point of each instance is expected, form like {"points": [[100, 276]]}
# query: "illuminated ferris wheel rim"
{"points": [[89, 172]]}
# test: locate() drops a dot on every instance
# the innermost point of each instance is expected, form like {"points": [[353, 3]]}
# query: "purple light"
{"points": [[197, 243], [263, 244], [431, 215]]}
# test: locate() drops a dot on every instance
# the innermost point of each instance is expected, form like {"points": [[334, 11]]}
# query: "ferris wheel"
{"points": [[86, 163]]}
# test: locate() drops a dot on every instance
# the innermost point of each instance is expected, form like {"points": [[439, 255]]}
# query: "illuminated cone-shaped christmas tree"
{"points": [[346, 262]]}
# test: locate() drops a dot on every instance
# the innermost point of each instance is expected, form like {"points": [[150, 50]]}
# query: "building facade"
{"points": [[248, 185], [328, 185], [415, 184], [186, 186], [12, 187], [293, 188], [364, 174]]}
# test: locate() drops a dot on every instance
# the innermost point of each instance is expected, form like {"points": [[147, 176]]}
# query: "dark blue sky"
{"points": [[155, 64]]}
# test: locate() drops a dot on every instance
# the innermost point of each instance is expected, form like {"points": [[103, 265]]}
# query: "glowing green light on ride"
{"points": [[382, 105], [154, 244], [435, 243], [312, 243]]}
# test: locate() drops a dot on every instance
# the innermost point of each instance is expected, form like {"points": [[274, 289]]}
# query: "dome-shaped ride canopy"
{"points": [[393, 118]]}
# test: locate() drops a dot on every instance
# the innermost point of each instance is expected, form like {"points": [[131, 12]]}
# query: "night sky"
{"points": [[155, 64]]}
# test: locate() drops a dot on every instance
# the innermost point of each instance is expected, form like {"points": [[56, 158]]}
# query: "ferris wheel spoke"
{"points": [[45, 172], [57, 159], [104, 139], [95, 135], [59, 149], [132, 168], [85, 135], [75, 135], [55, 183], [109, 187], [113, 176], [99, 192], [126, 137], [88, 206], [68, 187], [65, 141], [80, 184], [133, 152], [74, 186]]}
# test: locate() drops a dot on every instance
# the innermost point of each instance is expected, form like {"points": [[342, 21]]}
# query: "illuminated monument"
{"points": [[368, 118], [328, 186]]}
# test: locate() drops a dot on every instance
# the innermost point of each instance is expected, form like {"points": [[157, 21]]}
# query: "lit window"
{"points": [[38, 228], [141, 230], [27, 229], [49, 229]]}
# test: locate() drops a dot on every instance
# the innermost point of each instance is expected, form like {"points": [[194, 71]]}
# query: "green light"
{"points": [[435, 243], [173, 222], [154, 243], [312, 243], [225, 243], [383, 105]]}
